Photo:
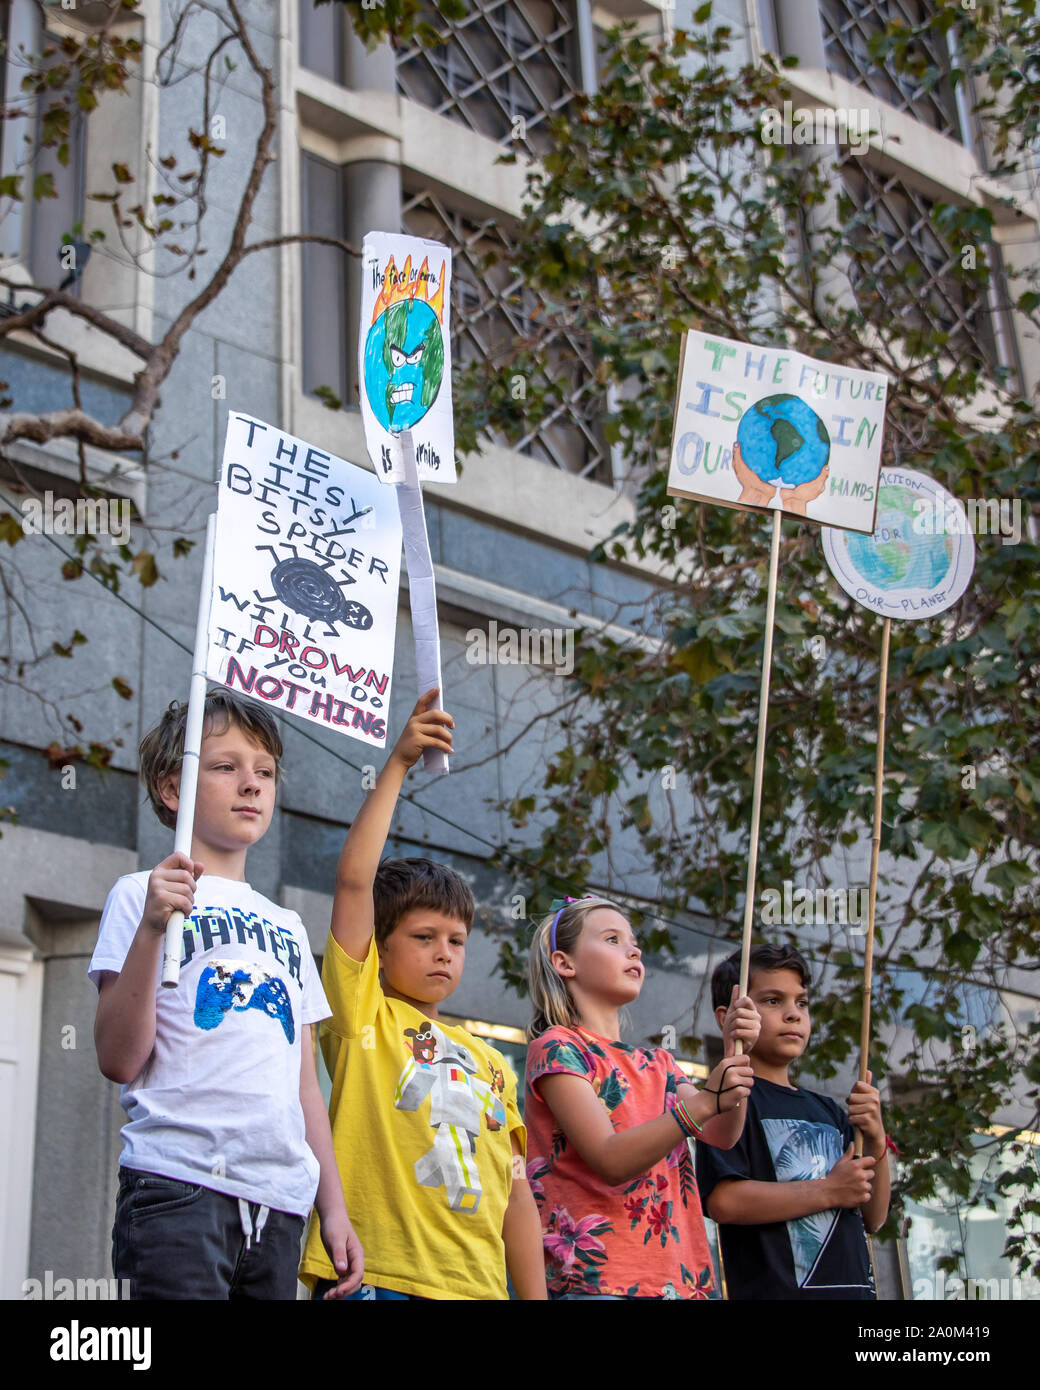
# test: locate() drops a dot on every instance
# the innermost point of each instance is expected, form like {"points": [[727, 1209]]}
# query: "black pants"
{"points": [[173, 1240]]}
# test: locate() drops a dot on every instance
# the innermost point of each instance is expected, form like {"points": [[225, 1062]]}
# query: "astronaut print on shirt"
{"points": [[446, 1072]]}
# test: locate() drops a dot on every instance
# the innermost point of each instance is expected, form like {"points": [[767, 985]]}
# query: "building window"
{"points": [[491, 308], [326, 358], [848, 27], [893, 227], [503, 71], [321, 40], [57, 250]]}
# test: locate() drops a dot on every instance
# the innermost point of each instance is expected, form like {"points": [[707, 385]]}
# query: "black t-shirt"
{"points": [[789, 1135]]}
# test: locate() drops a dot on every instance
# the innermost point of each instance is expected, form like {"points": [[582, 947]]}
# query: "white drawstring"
{"points": [[248, 1229]]}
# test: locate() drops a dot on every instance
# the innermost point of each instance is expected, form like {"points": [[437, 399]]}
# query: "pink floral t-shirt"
{"points": [[644, 1238]]}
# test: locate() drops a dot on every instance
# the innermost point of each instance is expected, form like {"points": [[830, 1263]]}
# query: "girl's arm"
{"points": [[353, 919], [720, 1130], [742, 1024], [618, 1156], [522, 1235]]}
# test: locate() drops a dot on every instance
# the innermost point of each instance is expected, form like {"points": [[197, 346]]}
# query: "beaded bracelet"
{"points": [[685, 1120]]}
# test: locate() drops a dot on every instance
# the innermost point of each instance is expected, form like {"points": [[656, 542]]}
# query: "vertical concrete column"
{"points": [[800, 32], [372, 185]]}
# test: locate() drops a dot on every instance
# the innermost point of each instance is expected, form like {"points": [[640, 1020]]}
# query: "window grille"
{"points": [[491, 308], [848, 26], [503, 71], [895, 233]]}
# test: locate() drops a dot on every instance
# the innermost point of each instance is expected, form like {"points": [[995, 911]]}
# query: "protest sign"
{"points": [[763, 428], [404, 356], [305, 581], [920, 557]]}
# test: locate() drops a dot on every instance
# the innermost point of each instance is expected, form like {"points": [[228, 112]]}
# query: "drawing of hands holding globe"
{"points": [[781, 444]]}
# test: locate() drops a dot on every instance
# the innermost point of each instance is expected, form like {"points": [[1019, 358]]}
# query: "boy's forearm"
{"points": [[363, 847], [329, 1198], [522, 1236], [875, 1212], [124, 1025], [741, 1202]]}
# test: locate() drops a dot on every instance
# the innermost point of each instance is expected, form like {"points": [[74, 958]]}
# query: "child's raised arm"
{"points": [[352, 910]]}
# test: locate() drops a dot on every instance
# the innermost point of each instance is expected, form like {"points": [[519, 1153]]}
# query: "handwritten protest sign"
{"points": [[404, 355], [920, 558], [764, 429], [305, 581]]}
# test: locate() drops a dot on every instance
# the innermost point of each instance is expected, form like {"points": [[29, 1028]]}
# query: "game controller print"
{"points": [[227, 985]]}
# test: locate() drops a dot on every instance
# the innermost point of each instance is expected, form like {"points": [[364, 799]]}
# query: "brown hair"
{"points": [[401, 884], [162, 748], [554, 1005]]}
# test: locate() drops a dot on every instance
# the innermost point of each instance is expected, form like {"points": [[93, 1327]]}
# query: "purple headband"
{"points": [[564, 903]]}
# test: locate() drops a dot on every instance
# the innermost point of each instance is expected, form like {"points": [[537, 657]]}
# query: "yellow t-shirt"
{"points": [[421, 1115]]}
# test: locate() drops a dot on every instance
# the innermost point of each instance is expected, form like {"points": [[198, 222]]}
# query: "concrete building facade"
{"points": [[406, 141]]}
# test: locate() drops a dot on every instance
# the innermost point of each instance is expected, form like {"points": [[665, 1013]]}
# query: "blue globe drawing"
{"points": [[896, 556], [782, 440], [404, 364]]}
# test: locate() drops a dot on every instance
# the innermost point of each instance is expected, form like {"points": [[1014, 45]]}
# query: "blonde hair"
{"points": [[554, 1005]]}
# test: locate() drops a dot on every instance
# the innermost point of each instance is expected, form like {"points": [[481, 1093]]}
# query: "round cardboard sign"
{"points": [[920, 559]]}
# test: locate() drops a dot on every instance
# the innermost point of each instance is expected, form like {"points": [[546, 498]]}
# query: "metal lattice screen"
{"points": [[848, 26], [503, 71], [897, 235], [491, 308]]}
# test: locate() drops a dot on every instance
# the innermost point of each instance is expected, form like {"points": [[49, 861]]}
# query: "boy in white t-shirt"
{"points": [[228, 1136]]}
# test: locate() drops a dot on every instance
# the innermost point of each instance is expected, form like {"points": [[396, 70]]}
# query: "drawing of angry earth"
{"points": [[446, 1072]]}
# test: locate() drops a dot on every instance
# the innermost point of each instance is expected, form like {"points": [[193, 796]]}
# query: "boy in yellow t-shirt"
{"points": [[428, 1138]]}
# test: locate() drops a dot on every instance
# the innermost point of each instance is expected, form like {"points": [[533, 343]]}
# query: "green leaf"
{"points": [[10, 529], [144, 566]]}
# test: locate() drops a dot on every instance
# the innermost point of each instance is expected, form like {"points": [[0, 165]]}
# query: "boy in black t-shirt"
{"points": [[790, 1200]]}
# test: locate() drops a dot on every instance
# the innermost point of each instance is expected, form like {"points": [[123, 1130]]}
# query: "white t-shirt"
{"points": [[218, 1101]]}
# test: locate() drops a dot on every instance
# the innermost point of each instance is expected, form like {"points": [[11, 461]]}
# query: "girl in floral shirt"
{"points": [[608, 1123]]}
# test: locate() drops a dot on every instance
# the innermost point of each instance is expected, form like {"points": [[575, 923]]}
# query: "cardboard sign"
{"points": [[305, 581], [920, 559], [760, 428], [404, 356]]}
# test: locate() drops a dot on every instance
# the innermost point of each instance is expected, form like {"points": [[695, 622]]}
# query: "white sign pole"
{"points": [[422, 591], [171, 966]]}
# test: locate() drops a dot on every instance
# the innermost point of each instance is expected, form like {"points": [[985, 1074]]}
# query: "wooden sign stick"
{"points": [[875, 851], [760, 758]]}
